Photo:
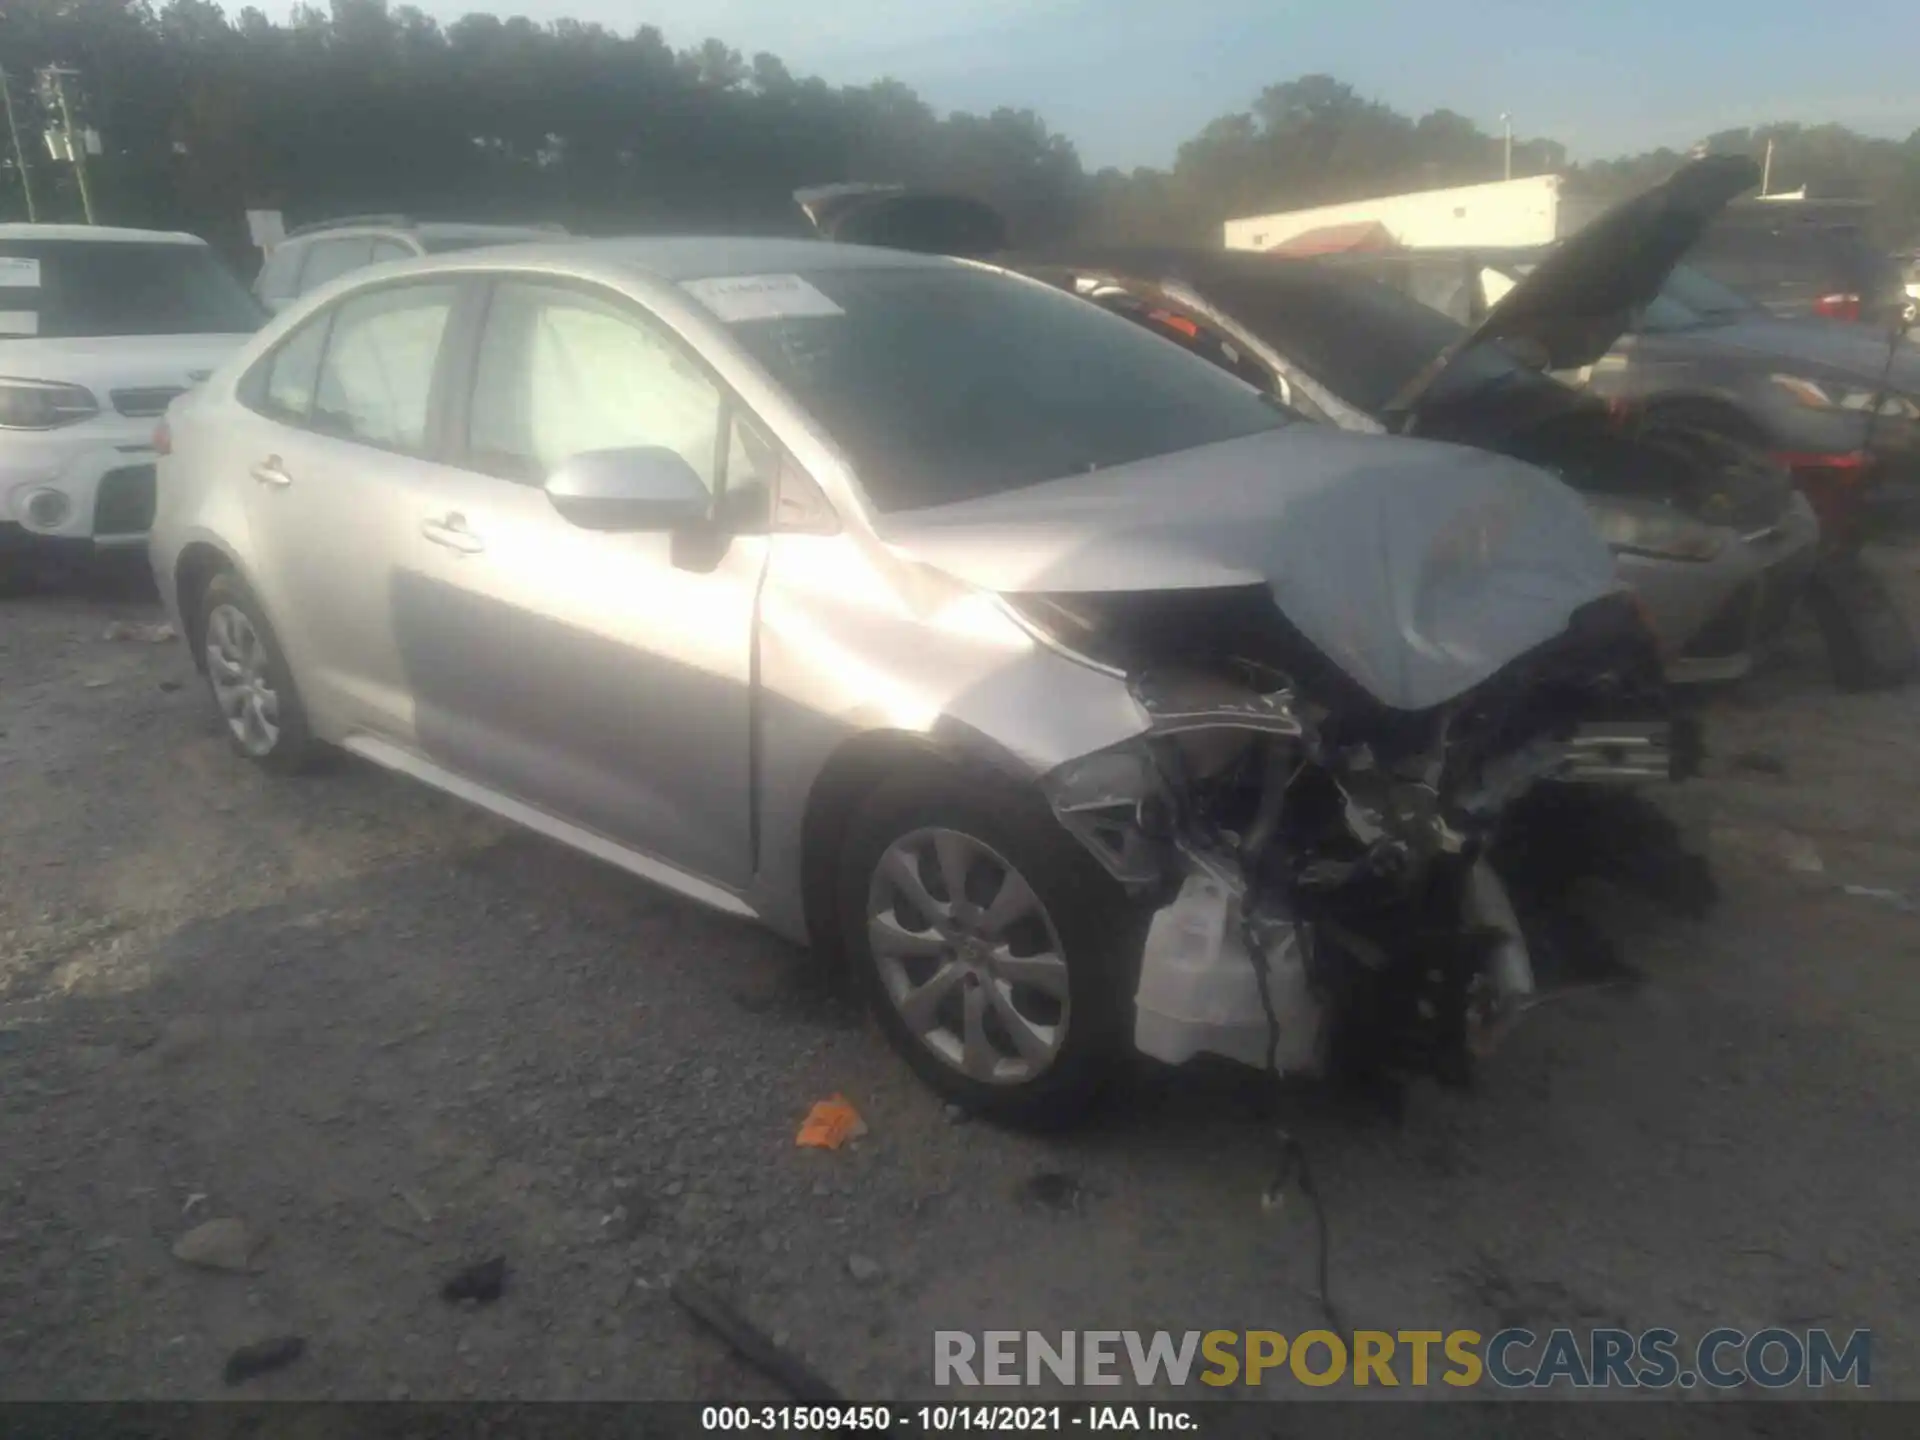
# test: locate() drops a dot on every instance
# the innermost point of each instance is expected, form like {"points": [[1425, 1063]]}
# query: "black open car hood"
{"points": [[897, 218], [1591, 287]]}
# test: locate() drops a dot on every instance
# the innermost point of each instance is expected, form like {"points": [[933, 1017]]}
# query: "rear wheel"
{"points": [[997, 956], [248, 676]]}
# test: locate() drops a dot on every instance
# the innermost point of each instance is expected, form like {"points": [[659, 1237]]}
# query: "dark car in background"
{"points": [[1804, 259], [1838, 404]]}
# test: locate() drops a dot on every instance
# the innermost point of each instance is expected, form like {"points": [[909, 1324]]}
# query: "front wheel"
{"points": [[997, 956]]}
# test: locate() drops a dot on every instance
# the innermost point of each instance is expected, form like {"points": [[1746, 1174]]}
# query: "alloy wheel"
{"points": [[237, 667], [968, 956]]}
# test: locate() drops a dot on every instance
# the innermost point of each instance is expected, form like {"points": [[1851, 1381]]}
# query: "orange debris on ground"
{"points": [[830, 1124]]}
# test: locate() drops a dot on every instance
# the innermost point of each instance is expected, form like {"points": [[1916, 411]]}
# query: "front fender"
{"points": [[851, 647]]}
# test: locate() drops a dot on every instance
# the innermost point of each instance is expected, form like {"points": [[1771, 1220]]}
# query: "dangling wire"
{"points": [[1291, 1163]]}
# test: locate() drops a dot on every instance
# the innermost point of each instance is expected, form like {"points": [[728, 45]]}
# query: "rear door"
{"points": [[346, 414], [604, 678]]}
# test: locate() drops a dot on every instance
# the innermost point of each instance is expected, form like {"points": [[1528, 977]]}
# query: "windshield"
{"points": [[81, 289], [948, 383]]}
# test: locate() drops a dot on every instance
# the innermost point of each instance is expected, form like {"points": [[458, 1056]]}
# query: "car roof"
{"points": [[106, 234], [683, 257], [375, 225], [463, 229]]}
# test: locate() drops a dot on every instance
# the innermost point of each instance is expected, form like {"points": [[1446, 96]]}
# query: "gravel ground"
{"points": [[392, 1035]]}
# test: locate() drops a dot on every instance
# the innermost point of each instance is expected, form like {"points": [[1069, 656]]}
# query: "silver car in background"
{"points": [[934, 618]]}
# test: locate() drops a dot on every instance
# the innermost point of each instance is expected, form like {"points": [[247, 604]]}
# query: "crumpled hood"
{"points": [[1419, 569]]}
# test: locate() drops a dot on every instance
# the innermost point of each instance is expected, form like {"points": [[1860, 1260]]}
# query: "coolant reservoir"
{"points": [[1198, 991]]}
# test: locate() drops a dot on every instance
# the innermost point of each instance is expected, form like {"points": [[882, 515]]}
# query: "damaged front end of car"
{"points": [[1320, 861]]}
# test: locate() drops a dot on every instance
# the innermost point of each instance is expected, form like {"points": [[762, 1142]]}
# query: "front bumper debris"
{"points": [[1323, 898]]}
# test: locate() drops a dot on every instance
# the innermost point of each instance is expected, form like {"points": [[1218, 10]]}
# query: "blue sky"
{"points": [[1127, 80]]}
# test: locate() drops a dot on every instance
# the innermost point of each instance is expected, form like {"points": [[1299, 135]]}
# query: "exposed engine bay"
{"points": [[1320, 861]]}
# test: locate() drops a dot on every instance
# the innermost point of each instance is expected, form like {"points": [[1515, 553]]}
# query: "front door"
{"points": [[582, 672]]}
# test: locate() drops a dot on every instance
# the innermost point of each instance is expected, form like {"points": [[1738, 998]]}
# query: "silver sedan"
{"points": [[929, 616]]}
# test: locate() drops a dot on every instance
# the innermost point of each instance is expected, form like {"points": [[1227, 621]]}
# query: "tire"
{"points": [[1869, 646], [1082, 917], [247, 676], [17, 576]]}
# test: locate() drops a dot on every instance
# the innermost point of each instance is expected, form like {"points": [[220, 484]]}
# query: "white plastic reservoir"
{"points": [[1198, 991]]}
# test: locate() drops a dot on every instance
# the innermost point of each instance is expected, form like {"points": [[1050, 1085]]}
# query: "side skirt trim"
{"points": [[391, 757]]}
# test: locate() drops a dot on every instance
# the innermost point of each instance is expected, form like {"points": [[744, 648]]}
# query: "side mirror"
{"points": [[645, 488]]}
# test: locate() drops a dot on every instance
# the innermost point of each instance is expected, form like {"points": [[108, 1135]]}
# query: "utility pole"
{"points": [[1766, 172], [56, 76], [1506, 126], [19, 152]]}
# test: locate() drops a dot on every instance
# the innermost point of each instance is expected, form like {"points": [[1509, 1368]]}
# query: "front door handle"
{"points": [[269, 472], [451, 532]]}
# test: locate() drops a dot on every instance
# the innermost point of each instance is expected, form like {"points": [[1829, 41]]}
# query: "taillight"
{"points": [[163, 438], [1834, 485], [1844, 306], [1848, 465], [1175, 322]]}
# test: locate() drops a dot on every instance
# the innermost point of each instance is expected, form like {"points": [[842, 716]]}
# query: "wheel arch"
{"points": [[193, 571], [851, 773]]}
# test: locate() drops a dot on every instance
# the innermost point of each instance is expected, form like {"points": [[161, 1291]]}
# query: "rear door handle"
{"points": [[451, 532], [269, 472]]}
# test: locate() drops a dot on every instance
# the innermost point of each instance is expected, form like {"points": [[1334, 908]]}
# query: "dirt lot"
{"points": [[392, 1035]]}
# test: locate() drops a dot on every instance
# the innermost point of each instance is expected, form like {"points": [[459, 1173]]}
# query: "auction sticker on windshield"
{"points": [[19, 272], [738, 298]]}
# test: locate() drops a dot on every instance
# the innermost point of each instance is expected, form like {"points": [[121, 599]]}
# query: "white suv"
{"points": [[312, 255], [99, 329]]}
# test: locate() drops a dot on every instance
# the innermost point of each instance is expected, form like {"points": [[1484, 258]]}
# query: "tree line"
{"points": [[370, 107]]}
